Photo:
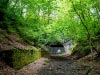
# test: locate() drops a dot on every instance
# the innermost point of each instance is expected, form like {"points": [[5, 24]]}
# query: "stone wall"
{"points": [[67, 46], [18, 58]]}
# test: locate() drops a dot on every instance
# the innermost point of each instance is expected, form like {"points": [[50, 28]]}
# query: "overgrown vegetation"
{"points": [[46, 22], [18, 58], [24, 57]]}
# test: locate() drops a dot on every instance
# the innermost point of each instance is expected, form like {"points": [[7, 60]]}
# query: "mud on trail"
{"points": [[45, 66]]}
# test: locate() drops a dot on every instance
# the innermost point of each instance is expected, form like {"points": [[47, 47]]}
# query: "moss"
{"points": [[17, 58], [23, 57], [44, 53]]}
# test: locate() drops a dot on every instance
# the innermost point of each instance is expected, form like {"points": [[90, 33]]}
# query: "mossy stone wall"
{"points": [[23, 57], [17, 58]]}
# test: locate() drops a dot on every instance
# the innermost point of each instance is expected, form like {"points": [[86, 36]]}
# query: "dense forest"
{"points": [[39, 24]]}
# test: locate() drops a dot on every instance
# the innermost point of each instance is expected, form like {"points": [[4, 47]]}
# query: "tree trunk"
{"points": [[86, 28]]}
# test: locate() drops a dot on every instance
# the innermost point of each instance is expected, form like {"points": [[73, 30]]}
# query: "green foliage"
{"points": [[82, 49], [46, 22]]}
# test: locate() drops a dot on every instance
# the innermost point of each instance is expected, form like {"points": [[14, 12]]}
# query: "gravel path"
{"points": [[63, 67], [70, 67], [44, 66]]}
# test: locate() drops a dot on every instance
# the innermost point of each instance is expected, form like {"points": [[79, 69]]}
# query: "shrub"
{"points": [[81, 50]]}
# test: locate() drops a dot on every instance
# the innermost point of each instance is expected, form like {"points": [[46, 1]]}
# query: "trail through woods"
{"points": [[46, 66]]}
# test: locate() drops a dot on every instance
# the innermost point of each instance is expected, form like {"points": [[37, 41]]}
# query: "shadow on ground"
{"points": [[68, 67]]}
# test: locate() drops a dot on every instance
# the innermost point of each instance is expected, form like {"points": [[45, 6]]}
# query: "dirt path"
{"points": [[63, 67], [70, 67], [44, 66], [30, 69]]}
